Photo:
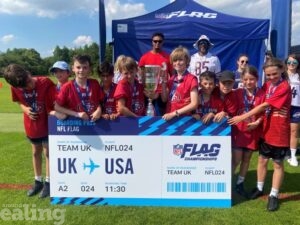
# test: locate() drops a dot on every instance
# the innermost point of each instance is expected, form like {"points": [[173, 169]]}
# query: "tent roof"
{"points": [[173, 18]]}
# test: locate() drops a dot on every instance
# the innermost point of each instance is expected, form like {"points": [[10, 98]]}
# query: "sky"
{"points": [[45, 24]]}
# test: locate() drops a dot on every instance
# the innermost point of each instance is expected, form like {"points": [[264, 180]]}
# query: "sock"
{"points": [[260, 185], [47, 179], [240, 179], [293, 153], [274, 192], [38, 178]]}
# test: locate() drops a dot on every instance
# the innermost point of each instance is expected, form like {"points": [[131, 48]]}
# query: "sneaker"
{"points": [[293, 161], [256, 193], [35, 189], [239, 188], [273, 203], [46, 191]]}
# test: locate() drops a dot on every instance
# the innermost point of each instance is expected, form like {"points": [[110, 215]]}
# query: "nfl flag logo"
{"points": [[177, 149]]}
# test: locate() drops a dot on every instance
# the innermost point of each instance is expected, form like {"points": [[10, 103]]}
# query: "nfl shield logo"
{"points": [[177, 149]]}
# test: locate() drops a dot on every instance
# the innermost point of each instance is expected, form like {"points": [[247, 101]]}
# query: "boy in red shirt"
{"points": [[225, 91], [82, 96], [129, 94], [276, 129], [210, 103], [32, 95], [106, 74], [181, 90]]}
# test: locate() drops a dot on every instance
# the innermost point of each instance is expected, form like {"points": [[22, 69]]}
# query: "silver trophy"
{"points": [[151, 82]]}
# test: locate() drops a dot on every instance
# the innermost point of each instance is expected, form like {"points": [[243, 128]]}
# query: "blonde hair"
{"points": [[127, 63], [180, 53], [117, 63]]}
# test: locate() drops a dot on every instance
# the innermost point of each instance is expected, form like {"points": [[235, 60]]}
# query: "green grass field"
{"points": [[16, 168]]}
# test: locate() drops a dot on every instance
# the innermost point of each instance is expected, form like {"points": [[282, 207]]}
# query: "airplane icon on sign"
{"points": [[92, 166]]}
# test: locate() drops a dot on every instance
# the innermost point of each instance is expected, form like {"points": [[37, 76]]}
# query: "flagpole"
{"points": [[102, 31]]}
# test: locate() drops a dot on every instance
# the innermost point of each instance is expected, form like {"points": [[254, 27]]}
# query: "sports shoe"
{"points": [[46, 190], [273, 203], [256, 193], [35, 189], [239, 188], [293, 161]]}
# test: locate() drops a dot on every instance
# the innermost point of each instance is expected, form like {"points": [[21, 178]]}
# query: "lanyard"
{"points": [[58, 86], [205, 106], [30, 99], [106, 94], [133, 89], [249, 103], [83, 96], [175, 84], [270, 92]]}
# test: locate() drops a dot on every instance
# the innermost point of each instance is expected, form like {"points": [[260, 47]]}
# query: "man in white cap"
{"points": [[203, 60]]}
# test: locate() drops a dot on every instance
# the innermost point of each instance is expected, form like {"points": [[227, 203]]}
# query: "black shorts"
{"points": [[37, 141], [269, 151]]}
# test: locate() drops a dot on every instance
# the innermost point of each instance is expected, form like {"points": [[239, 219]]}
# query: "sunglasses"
{"points": [[244, 61], [292, 62], [157, 41]]}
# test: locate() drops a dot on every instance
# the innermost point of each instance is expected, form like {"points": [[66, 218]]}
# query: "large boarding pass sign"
{"points": [[144, 161]]}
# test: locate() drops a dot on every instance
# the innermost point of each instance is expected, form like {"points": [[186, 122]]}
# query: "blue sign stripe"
{"points": [[153, 127], [182, 126], [191, 129], [173, 202], [144, 119]]}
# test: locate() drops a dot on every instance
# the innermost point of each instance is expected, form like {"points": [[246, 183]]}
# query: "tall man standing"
{"points": [[156, 56]]}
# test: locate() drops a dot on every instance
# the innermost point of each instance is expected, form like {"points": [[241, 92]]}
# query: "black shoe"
{"points": [[256, 193], [239, 188], [46, 190], [273, 203], [35, 189]]}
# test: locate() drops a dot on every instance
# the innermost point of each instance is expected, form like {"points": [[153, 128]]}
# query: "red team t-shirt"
{"points": [[229, 102], [109, 103], [79, 99], [241, 136], [214, 104], [276, 127], [180, 91], [38, 99], [134, 96]]}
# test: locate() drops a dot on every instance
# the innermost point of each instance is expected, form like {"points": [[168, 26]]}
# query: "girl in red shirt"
{"points": [[245, 134], [276, 129]]}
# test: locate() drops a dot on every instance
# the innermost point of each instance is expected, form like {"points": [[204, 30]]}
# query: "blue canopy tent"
{"points": [[182, 22]]}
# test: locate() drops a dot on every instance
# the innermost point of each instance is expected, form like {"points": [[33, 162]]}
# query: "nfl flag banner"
{"points": [[144, 161]]}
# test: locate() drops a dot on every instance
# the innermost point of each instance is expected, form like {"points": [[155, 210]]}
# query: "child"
{"points": [[210, 103], [117, 73], [129, 94], [276, 129], [32, 95], [181, 90], [80, 97], [293, 70], [224, 90], [106, 74], [241, 62], [245, 134], [61, 71]]}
